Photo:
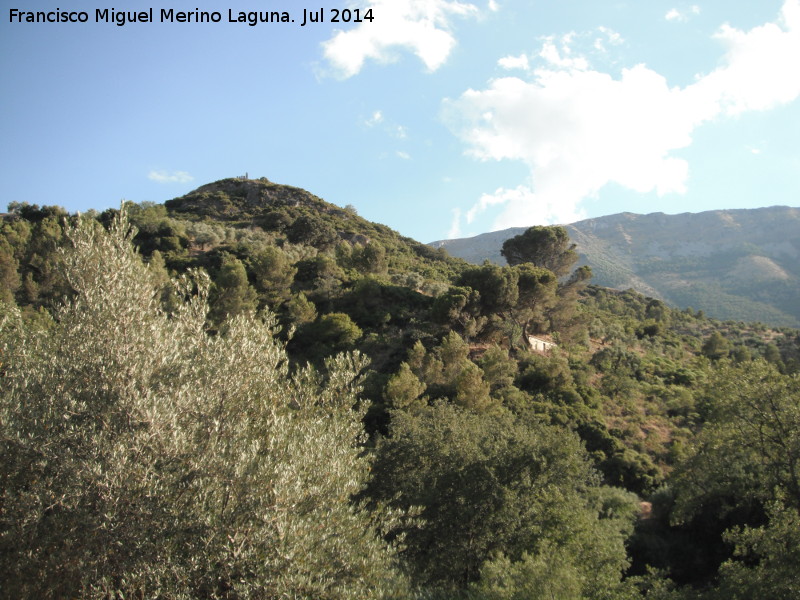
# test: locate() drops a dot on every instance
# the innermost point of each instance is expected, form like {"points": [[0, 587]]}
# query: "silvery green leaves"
{"points": [[143, 455]]}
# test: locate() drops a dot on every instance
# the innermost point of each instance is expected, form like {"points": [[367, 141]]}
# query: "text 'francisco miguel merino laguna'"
{"points": [[170, 15]]}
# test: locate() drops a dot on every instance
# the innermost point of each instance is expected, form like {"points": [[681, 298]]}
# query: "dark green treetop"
{"points": [[544, 246]]}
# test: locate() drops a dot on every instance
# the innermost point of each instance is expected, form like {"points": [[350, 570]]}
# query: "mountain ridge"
{"points": [[735, 264]]}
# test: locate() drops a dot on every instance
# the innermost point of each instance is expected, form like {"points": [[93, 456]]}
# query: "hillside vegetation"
{"points": [[248, 392], [732, 264]]}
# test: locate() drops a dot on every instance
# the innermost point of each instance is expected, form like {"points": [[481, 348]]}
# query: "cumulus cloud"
{"points": [[607, 36], [561, 55], [568, 51], [682, 15], [761, 68], [579, 129], [522, 205], [421, 26], [514, 62], [167, 177]]}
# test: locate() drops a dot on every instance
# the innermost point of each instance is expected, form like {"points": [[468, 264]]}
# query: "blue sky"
{"points": [[439, 118]]}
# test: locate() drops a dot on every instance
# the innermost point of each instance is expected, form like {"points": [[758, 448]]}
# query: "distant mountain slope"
{"points": [[733, 264]]}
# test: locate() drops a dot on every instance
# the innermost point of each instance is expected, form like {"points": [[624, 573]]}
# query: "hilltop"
{"points": [[303, 218], [737, 265]]}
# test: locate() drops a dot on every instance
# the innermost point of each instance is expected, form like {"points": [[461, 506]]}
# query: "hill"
{"points": [[206, 341], [303, 218], [737, 265]]}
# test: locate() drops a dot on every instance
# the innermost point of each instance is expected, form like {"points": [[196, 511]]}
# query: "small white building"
{"points": [[540, 345]]}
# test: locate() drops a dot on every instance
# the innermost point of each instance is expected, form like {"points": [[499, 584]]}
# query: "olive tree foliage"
{"points": [[143, 457]]}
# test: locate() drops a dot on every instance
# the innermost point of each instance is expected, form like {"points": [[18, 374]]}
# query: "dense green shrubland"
{"points": [[197, 418]]}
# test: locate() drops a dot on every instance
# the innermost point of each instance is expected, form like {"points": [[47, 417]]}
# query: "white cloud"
{"points": [[607, 36], [374, 119], [500, 196], [562, 56], [167, 177], [421, 26], [674, 15], [682, 16], [379, 120], [455, 225], [403, 155], [578, 129], [522, 205], [761, 68], [565, 51], [514, 62], [493, 6]]}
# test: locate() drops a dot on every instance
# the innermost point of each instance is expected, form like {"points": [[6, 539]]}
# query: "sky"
{"points": [[438, 118]]}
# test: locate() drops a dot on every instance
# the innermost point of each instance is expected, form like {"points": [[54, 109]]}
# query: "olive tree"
{"points": [[143, 457]]}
